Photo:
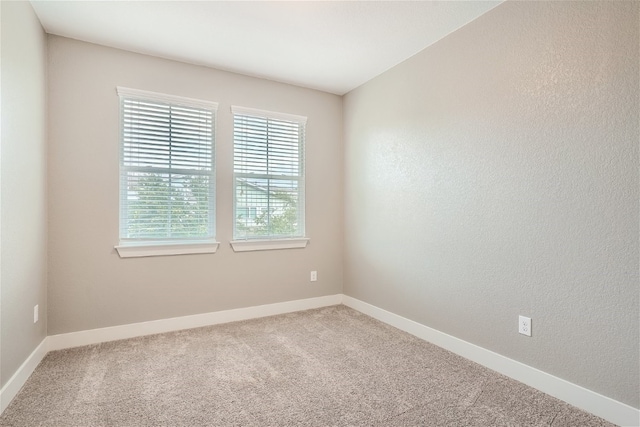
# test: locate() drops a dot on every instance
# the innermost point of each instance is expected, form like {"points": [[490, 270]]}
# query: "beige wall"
{"points": [[493, 174], [496, 174], [89, 285], [23, 215]]}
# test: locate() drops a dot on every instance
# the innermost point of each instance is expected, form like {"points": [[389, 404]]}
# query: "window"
{"points": [[268, 161], [167, 174]]}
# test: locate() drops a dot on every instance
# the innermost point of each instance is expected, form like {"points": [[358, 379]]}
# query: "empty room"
{"points": [[322, 213]]}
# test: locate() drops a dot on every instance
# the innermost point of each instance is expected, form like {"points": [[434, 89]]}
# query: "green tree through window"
{"points": [[166, 168]]}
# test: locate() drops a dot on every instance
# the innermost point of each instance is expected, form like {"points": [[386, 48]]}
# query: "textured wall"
{"points": [[496, 174], [89, 285], [23, 215]]}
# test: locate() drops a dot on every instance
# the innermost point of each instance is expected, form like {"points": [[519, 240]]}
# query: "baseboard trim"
{"points": [[597, 404], [15, 383], [590, 401], [95, 336]]}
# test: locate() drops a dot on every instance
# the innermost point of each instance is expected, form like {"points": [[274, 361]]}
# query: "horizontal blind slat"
{"points": [[166, 171], [268, 177]]}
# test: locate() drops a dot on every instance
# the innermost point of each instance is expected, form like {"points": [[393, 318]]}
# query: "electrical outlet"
{"points": [[35, 314], [314, 276], [524, 325]]}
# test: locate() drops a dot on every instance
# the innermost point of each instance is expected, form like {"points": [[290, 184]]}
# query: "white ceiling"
{"points": [[334, 46]]}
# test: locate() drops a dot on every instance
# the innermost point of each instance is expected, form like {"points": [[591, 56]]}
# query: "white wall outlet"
{"points": [[314, 276], [36, 314], [524, 325]]}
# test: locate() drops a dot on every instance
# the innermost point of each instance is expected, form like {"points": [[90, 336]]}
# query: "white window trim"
{"points": [[174, 99], [272, 243], [267, 245], [129, 249], [267, 114], [136, 250]]}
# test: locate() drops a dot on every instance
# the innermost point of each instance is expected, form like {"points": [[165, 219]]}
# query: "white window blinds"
{"points": [[167, 173], [268, 160]]}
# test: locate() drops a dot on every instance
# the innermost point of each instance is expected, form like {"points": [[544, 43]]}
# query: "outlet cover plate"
{"points": [[524, 325]]}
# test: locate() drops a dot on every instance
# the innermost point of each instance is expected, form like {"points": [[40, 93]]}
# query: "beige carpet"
{"points": [[325, 367]]}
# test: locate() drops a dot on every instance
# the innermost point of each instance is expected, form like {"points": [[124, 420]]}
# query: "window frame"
{"points": [[144, 247], [246, 243]]}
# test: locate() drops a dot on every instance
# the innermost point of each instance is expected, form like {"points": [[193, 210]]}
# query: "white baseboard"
{"points": [[587, 400], [94, 336], [597, 404], [15, 383]]}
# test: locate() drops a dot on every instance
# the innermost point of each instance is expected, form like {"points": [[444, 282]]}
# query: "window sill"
{"points": [[135, 250], [267, 245]]}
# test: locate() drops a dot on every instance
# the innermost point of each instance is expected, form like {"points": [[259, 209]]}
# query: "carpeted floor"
{"points": [[327, 367]]}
